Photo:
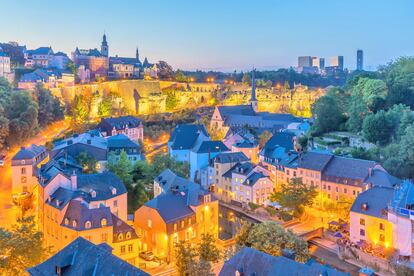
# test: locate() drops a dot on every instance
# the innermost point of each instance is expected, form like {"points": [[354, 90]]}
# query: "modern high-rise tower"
{"points": [[360, 60]]}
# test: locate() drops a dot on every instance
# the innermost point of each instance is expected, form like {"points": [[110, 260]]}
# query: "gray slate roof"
{"points": [[29, 153], [227, 110], [119, 123], [184, 136], [211, 146], [168, 180], [101, 183], [78, 211], [121, 141], [249, 261], [314, 160], [377, 200], [230, 157], [82, 257]]}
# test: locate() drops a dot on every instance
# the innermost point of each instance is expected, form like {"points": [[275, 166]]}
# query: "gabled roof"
{"points": [[314, 160], [40, 51], [79, 212], [102, 184], [120, 123], [376, 200], [121, 227], [211, 146], [249, 261], [61, 197], [253, 178], [84, 138], [245, 145], [29, 153], [239, 168], [346, 167], [230, 157], [184, 136], [82, 257], [120, 141], [171, 206], [227, 110], [169, 180]]}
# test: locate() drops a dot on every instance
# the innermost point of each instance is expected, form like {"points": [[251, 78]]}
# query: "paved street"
{"points": [[9, 212]]}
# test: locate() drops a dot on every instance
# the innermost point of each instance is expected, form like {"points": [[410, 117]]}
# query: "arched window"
{"points": [[103, 222], [88, 224], [128, 235], [120, 237], [74, 223], [66, 221]]}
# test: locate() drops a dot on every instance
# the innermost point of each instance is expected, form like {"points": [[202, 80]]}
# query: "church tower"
{"points": [[253, 100], [104, 47], [137, 56]]}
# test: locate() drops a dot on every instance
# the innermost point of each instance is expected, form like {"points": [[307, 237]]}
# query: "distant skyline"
{"points": [[218, 35]]}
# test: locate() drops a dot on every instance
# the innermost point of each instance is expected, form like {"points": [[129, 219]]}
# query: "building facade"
{"points": [[360, 60], [130, 126]]}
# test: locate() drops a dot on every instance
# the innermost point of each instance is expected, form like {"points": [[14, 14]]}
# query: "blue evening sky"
{"points": [[217, 34]]}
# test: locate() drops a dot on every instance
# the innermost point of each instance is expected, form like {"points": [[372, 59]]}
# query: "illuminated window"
{"points": [[23, 170], [189, 221], [128, 235], [66, 221], [130, 248], [361, 221], [104, 237], [103, 222], [23, 179], [149, 223], [123, 249], [120, 237], [74, 223], [175, 226], [382, 226], [381, 238], [88, 224]]}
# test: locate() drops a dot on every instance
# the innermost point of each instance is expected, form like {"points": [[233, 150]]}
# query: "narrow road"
{"points": [[9, 212]]}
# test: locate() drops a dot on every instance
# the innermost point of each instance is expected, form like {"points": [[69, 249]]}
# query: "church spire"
{"points": [[137, 55], [104, 46], [253, 100]]}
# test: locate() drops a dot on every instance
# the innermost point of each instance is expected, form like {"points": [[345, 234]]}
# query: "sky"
{"points": [[221, 35]]}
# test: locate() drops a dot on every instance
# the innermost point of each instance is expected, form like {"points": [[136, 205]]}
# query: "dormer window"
{"points": [[103, 222], [120, 237], [93, 193], [66, 221], [128, 235], [113, 190], [88, 224], [74, 223]]}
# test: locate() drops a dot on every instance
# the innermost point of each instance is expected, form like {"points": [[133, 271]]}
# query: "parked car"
{"points": [[147, 255]]}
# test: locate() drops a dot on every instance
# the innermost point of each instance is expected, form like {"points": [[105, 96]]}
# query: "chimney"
{"points": [[74, 181]]}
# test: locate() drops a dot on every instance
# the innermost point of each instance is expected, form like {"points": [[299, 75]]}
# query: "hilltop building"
{"points": [[93, 60], [82, 257], [5, 66], [182, 210]]}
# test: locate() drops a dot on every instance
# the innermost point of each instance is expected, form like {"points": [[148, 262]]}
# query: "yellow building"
{"points": [[173, 216], [368, 217], [92, 206]]}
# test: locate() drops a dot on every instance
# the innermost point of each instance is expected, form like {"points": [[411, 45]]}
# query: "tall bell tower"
{"points": [[104, 47]]}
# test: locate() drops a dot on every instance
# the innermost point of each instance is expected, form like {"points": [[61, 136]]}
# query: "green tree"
{"points": [[21, 247], [271, 238], [264, 137], [50, 109], [171, 101], [328, 115], [207, 249], [180, 76], [295, 195], [185, 257], [399, 76], [80, 112], [4, 131], [378, 128], [87, 162], [160, 162], [105, 107], [121, 167]]}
